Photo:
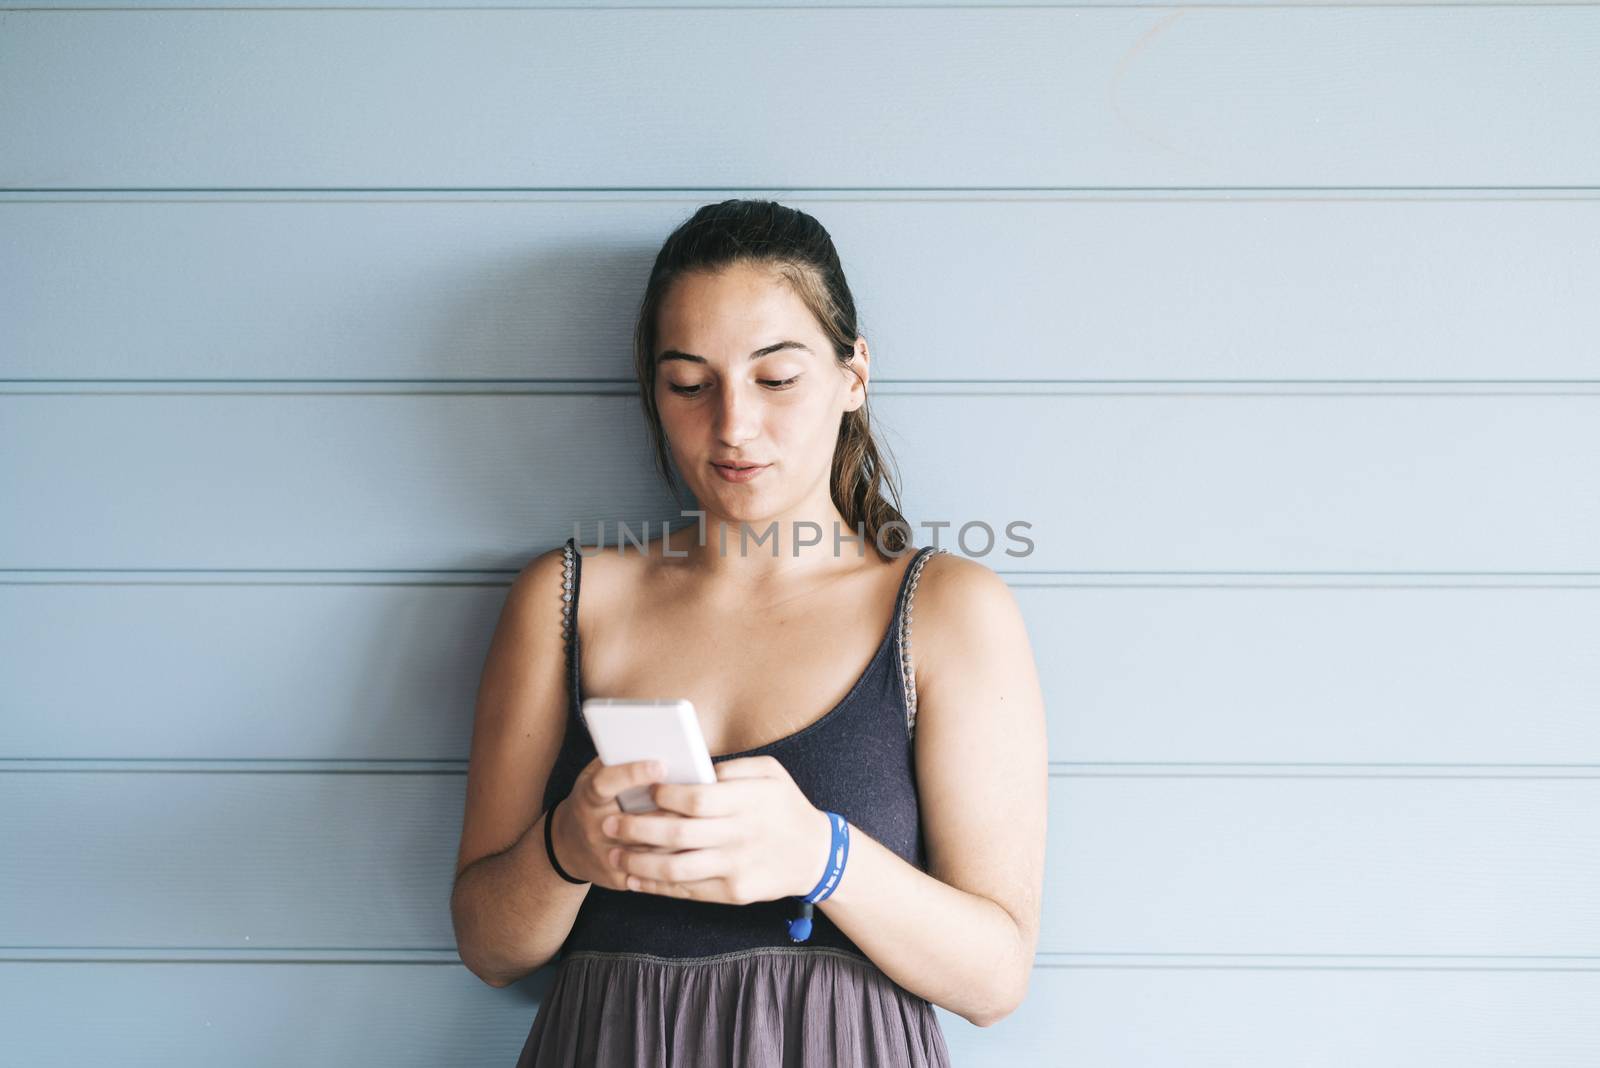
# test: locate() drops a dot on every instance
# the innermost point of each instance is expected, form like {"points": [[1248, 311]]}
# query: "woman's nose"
{"points": [[737, 416]]}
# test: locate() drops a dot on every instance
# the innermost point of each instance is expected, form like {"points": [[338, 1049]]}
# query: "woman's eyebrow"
{"points": [[674, 354]]}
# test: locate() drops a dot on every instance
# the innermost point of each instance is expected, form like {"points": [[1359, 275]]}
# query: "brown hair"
{"points": [[800, 251]]}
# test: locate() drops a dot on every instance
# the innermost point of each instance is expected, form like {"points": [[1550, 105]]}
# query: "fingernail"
{"points": [[615, 853], [610, 825]]}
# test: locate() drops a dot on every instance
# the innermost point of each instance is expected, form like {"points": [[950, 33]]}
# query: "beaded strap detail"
{"points": [[569, 622], [566, 593], [907, 676]]}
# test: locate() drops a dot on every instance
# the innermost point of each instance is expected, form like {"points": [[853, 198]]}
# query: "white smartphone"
{"points": [[625, 730]]}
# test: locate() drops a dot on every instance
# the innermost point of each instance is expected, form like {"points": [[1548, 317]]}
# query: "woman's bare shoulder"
{"points": [[958, 597], [949, 577], [620, 568]]}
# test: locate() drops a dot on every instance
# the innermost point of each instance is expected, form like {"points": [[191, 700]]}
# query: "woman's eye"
{"points": [[775, 385]]}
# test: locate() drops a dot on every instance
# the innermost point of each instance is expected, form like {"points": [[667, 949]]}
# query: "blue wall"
{"points": [[1285, 313]]}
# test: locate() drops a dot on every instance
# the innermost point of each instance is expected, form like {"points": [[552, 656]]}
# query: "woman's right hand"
{"points": [[581, 845]]}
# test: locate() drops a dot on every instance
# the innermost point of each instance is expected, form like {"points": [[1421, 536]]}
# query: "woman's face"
{"points": [[744, 375]]}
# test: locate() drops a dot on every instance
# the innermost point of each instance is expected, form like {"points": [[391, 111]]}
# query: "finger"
{"points": [[612, 779], [699, 890], [671, 831], [687, 867], [707, 799], [588, 773], [756, 767]]}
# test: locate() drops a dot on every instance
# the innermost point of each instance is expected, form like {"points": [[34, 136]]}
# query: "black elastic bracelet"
{"points": [[550, 849]]}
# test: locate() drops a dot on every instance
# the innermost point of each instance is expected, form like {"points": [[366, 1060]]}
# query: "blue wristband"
{"points": [[838, 853]]}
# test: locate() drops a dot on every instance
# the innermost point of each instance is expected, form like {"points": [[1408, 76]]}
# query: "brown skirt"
{"points": [[794, 1007]]}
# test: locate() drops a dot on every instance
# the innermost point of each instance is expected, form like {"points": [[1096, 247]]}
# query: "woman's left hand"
{"points": [[750, 836]]}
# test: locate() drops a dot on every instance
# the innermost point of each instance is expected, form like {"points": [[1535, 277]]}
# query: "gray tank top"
{"points": [[857, 760]]}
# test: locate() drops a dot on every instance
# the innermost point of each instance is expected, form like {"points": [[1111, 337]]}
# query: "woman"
{"points": [[673, 928]]}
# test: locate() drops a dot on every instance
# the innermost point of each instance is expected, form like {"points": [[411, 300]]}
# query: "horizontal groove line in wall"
{"points": [[962, 194], [907, 382], [1014, 577], [1060, 769], [1160, 961], [1324, 961], [734, 5], [596, 387], [1212, 962]]}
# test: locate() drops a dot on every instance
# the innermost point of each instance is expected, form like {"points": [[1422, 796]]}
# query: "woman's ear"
{"points": [[860, 376]]}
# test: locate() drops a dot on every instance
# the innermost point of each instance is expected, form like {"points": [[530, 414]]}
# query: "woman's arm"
{"points": [[509, 908], [963, 934]]}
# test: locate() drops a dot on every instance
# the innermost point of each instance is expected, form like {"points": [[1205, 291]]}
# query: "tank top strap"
{"points": [[908, 590], [571, 573]]}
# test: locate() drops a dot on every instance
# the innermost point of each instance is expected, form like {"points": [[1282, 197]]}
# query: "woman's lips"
{"points": [[745, 474]]}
